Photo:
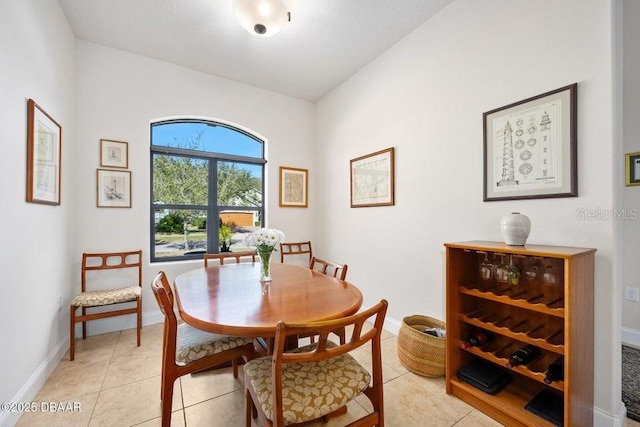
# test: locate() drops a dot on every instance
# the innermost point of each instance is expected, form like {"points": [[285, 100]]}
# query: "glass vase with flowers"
{"points": [[265, 241]]}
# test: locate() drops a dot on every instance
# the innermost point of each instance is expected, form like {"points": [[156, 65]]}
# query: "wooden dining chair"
{"points": [[101, 292], [273, 383], [221, 257], [294, 249], [187, 350], [339, 271]]}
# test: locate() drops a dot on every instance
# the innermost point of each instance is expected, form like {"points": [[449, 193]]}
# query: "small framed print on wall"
{"points": [[113, 188], [294, 187], [114, 154], [44, 156], [372, 178], [632, 169]]}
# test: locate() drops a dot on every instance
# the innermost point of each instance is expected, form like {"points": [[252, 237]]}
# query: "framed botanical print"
{"points": [[44, 156]]}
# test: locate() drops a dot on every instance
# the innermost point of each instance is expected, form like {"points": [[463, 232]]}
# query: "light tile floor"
{"points": [[116, 383]]}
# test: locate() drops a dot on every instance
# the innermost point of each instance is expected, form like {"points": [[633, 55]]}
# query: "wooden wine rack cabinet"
{"points": [[558, 319]]}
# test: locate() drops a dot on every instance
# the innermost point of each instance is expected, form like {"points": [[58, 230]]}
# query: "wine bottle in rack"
{"points": [[477, 339], [555, 371], [523, 356]]}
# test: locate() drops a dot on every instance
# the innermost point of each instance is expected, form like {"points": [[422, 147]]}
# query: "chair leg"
{"points": [[250, 411], [72, 332], [342, 334], [139, 314], [84, 324], [164, 356], [167, 400], [234, 364]]}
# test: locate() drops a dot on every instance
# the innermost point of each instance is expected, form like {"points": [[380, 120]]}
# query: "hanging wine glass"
{"points": [[502, 273], [550, 275], [514, 272], [532, 272], [486, 270]]}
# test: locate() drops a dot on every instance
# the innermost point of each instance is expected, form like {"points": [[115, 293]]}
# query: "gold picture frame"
{"points": [[632, 169], [372, 179], [44, 156], [114, 154], [294, 187], [113, 189]]}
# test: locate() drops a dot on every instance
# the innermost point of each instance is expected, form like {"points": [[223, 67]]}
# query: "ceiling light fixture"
{"points": [[261, 18]]}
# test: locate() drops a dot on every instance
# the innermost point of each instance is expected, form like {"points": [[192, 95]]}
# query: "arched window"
{"points": [[207, 188]]}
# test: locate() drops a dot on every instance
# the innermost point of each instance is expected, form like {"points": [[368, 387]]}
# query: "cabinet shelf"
{"points": [[524, 299], [512, 399], [550, 342], [522, 370], [554, 314]]}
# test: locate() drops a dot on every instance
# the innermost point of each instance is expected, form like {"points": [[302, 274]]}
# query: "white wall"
{"points": [[631, 310], [119, 95], [37, 56], [425, 96]]}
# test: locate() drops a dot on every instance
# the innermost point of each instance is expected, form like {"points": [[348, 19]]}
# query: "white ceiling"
{"points": [[325, 43]]}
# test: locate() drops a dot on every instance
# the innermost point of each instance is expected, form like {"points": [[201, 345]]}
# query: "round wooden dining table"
{"points": [[228, 299]]}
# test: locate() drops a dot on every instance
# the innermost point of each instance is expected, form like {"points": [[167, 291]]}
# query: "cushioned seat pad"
{"points": [[309, 390], [106, 297], [193, 344]]}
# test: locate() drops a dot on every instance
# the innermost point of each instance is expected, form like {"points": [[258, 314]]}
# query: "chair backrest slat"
{"points": [[329, 268], [111, 261], [322, 330], [236, 256], [164, 296], [295, 248]]}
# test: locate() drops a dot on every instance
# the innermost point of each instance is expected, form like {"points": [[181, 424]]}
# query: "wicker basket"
{"points": [[421, 353]]}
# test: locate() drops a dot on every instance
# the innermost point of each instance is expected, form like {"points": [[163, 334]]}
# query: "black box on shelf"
{"points": [[549, 406], [484, 375]]}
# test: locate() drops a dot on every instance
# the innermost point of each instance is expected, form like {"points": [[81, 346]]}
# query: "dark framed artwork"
{"points": [[44, 156], [372, 179], [530, 147]]}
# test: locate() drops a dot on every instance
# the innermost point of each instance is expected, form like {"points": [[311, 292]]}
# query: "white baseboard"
{"points": [[33, 385], [391, 325], [631, 336], [604, 419]]}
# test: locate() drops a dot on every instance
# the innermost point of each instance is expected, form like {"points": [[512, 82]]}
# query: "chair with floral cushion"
{"points": [[104, 269], [222, 256], [187, 350], [330, 375]]}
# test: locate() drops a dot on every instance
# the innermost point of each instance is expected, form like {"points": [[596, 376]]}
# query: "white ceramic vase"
{"points": [[515, 228]]}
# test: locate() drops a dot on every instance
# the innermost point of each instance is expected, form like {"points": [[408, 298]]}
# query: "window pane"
{"points": [[180, 232], [239, 184], [179, 180], [234, 227], [206, 136]]}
